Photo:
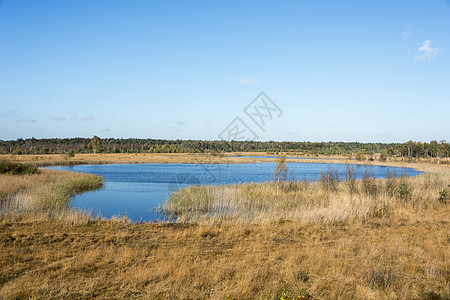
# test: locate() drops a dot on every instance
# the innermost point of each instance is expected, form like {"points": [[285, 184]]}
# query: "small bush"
{"points": [[329, 179], [444, 195], [390, 181], [70, 154], [403, 191], [288, 291], [369, 184], [14, 168], [350, 178]]}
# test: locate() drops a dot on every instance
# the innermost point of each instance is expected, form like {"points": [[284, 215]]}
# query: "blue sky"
{"points": [[368, 71]]}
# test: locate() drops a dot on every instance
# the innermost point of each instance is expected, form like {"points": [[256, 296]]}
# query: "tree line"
{"points": [[134, 145]]}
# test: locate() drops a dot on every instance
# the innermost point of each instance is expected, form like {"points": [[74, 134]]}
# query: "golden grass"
{"points": [[400, 252], [401, 256], [47, 193], [195, 158], [304, 202], [128, 158]]}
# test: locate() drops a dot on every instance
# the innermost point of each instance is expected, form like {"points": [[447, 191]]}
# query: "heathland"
{"points": [[338, 238]]}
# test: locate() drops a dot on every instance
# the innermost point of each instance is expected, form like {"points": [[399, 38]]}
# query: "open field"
{"points": [[192, 158], [400, 256], [133, 158], [397, 252]]}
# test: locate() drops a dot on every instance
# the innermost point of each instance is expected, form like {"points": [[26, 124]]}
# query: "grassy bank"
{"points": [[328, 200], [45, 194], [125, 158], [386, 239]]}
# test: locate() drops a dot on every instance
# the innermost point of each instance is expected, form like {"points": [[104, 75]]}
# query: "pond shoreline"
{"points": [[137, 190]]}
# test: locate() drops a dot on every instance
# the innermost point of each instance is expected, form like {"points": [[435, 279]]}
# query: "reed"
{"points": [[45, 194], [328, 200], [307, 242]]}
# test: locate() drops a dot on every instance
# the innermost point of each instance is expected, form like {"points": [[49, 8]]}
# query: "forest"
{"points": [[135, 145]]}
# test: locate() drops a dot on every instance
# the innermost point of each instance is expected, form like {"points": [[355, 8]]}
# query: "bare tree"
{"points": [[280, 173]]}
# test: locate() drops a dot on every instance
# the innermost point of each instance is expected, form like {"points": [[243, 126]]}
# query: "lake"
{"points": [[136, 190]]}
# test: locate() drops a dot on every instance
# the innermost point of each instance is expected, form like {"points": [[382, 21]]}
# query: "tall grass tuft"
{"points": [[15, 168], [45, 194]]}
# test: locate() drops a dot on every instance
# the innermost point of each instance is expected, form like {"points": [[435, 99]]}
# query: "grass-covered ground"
{"points": [[308, 241], [331, 199], [43, 193]]}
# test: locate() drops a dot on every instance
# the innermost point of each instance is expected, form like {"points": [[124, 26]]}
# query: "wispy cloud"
{"points": [[275, 97], [405, 34], [425, 52], [26, 120], [87, 118], [83, 119], [175, 128], [14, 114], [105, 130], [180, 122], [58, 118], [246, 80]]}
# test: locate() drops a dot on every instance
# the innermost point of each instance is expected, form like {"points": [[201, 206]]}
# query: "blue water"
{"points": [[136, 190]]}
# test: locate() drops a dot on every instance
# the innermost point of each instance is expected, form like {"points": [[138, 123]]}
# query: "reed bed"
{"points": [[328, 200], [354, 239], [43, 195]]}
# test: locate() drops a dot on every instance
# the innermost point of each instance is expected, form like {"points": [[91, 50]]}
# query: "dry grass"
{"points": [[197, 158], [132, 158], [46, 194], [401, 252], [401, 256], [306, 202]]}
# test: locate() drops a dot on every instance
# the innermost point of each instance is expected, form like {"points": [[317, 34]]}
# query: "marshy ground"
{"points": [[398, 252]]}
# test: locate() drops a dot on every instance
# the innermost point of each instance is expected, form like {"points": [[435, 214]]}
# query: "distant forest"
{"points": [[134, 145]]}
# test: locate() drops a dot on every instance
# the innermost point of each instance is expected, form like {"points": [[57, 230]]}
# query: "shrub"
{"points": [[390, 181], [70, 154], [369, 183], [403, 191], [444, 195], [329, 179], [14, 168], [350, 178]]}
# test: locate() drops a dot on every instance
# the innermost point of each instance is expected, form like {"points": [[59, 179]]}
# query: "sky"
{"points": [[366, 71]]}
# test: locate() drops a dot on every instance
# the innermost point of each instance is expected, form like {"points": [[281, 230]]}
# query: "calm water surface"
{"points": [[136, 190]]}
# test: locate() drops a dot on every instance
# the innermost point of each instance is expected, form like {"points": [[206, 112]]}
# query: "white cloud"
{"points": [[26, 120], [83, 119], [87, 118], [58, 118], [275, 97], [105, 130], [247, 81], [405, 34], [426, 52]]}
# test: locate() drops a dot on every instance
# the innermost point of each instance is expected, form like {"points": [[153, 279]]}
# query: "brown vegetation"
{"points": [[45, 194], [328, 200], [399, 252]]}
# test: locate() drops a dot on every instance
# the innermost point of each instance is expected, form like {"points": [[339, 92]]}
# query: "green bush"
{"points": [[404, 191], [14, 168], [444, 195], [70, 154]]}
